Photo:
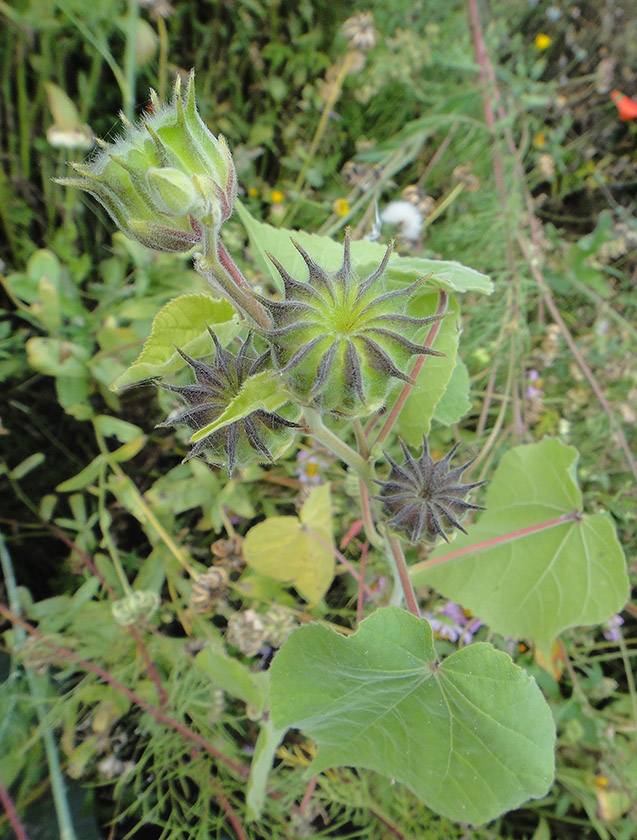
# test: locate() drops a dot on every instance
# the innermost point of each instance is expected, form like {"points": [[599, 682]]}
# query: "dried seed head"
{"points": [[208, 589], [229, 554], [260, 437], [247, 631], [424, 497], [338, 342]]}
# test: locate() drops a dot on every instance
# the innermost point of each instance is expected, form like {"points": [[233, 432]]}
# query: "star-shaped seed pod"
{"points": [[424, 497], [259, 437], [338, 342]]}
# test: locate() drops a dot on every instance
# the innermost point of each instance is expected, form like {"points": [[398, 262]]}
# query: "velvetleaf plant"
{"points": [[471, 735]]}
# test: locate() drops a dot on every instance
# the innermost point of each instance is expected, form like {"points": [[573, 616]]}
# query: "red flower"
{"points": [[626, 107]]}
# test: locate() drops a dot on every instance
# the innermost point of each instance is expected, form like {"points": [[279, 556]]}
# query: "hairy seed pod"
{"points": [[424, 497], [337, 342], [165, 179], [208, 589], [260, 437]]}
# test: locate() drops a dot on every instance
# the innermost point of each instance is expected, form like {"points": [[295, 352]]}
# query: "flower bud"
{"points": [[166, 179]]}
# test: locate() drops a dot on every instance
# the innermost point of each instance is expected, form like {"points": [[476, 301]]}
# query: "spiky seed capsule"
{"points": [[260, 437], [165, 179], [208, 589], [339, 343], [425, 497]]}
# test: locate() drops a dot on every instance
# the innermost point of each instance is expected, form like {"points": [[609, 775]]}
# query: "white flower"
{"points": [[406, 216]]}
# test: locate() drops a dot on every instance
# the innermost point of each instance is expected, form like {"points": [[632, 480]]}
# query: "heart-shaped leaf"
{"points": [[296, 550], [472, 736], [535, 584]]}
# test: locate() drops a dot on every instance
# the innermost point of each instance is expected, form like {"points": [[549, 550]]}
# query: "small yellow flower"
{"points": [[277, 196], [253, 192], [542, 41], [539, 140], [601, 781], [340, 207]]}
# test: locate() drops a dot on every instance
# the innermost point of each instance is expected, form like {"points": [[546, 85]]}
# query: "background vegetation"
{"points": [[498, 125]]}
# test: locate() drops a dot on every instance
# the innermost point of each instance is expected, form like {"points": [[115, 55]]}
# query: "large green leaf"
{"points": [[455, 402], [366, 256], [183, 323], [296, 550], [435, 377], [538, 584], [472, 736]]}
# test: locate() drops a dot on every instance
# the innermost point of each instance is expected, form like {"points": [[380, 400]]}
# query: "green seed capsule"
{"points": [[339, 343]]}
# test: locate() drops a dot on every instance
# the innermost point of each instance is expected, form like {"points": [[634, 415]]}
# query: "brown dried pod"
{"points": [[208, 589]]}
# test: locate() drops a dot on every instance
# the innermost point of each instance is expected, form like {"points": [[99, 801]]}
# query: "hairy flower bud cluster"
{"points": [[337, 342], [260, 437], [424, 497], [166, 179]]}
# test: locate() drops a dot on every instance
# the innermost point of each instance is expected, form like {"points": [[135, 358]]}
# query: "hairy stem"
{"points": [[220, 272], [325, 436]]}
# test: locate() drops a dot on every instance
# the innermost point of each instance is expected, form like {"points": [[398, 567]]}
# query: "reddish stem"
{"points": [[342, 559], [555, 314], [431, 337], [240, 769], [223, 800], [361, 594], [308, 794], [574, 516], [403, 572], [141, 647], [12, 814]]}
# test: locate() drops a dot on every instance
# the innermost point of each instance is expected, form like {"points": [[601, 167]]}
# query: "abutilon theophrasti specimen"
{"points": [[423, 497], [339, 343], [259, 437]]}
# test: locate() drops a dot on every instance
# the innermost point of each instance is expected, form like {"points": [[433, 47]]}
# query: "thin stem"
{"points": [[361, 599], [162, 73], [402, 397], [12, 814], [320, 431], [39, 694], [337, 86], [368, 520], [216, 266], [440, 208], [68, 655], [144, 514], [403, 574], [361, 440], [573, 516], [555, 313], [130, 59], [344, 561]]}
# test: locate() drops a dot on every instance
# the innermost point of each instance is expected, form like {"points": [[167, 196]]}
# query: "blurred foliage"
{"points": [[88, 485]]}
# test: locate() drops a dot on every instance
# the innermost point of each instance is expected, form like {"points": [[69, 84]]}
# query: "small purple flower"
{"points": [[611, 628], [453, 623], [534, 388]]}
